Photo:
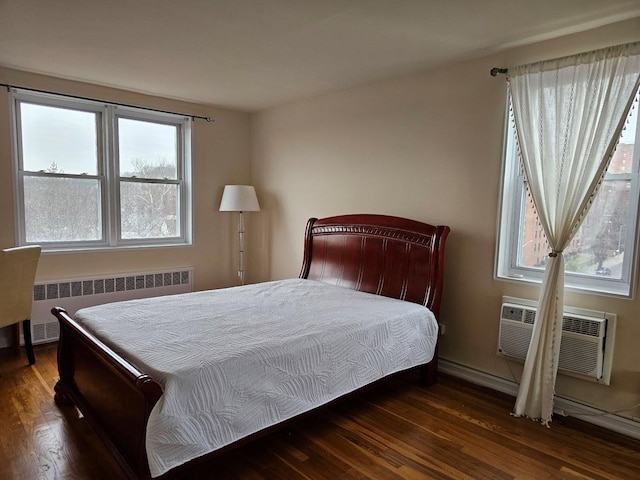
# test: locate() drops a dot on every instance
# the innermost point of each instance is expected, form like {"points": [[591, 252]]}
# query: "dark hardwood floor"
{"points": [[399, 430]]}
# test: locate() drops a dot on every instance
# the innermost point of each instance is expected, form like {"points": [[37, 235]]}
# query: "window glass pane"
{"points": [[601, 238], [533, 246], [599, 245], [600, 254], [62, 209], [149, 210], [147, 149], [58, 139]]}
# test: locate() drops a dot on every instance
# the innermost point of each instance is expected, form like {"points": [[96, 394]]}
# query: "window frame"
{"points": [[511, 212], [107, 174]]}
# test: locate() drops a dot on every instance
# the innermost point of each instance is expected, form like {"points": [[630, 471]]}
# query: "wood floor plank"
{"points": [[553, 450], [313, 459], [389, 453], [420, 458], [433, 445], [398, 430], [484, 442]]}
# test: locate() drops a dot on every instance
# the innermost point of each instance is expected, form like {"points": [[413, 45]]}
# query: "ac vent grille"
{"points": [[581, 325], [52, 329], [38, 333], [44, 332], [52, 291], [529, 316], [39, 292], [570, 323], [579, 357]]}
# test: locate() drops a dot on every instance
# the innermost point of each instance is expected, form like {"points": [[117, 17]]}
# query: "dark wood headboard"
{"points": [[390, 256]]}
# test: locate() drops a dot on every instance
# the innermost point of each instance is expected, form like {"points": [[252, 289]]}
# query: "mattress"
{"points": [[235, 361]]}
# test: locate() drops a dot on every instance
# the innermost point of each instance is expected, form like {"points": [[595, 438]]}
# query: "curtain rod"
{"points": [[193, 117], [625, 49]]}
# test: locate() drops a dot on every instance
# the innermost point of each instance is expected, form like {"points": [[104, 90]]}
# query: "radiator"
{"points": [[85, 292], [586, 348]]}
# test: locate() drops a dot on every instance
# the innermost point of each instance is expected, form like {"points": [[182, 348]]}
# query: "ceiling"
{"points": [[255, 54]]}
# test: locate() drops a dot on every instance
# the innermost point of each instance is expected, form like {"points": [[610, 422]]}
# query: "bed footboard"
{"points": [[115, 398]]}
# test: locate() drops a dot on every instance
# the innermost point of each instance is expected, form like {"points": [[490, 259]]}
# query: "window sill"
{"points": [[611, 288], [119, 248]]}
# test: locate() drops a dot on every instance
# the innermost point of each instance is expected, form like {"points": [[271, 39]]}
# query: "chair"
{"points": [[17, 275]]}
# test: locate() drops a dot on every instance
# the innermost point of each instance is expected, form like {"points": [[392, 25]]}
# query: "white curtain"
{"points": [[568, 114]]}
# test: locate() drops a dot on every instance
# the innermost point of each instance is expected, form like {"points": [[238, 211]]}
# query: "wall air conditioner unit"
{"points": [[586, 349]]}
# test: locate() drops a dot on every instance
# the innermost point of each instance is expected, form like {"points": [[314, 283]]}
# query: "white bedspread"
{"points": [[237, 360]]}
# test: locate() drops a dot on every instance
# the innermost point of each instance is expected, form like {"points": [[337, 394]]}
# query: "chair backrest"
{"points": [[17, 276]]}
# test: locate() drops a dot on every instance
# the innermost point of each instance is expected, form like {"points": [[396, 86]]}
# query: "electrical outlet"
{"points": [[442, 328]]}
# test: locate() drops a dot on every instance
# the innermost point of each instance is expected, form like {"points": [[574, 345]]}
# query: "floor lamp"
{"points": [[239, 198]]}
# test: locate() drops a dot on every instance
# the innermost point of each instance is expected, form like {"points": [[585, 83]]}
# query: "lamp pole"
{"points": [[241, 247]]}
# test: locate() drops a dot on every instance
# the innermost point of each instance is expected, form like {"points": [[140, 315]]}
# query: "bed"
{"points": [[372, 273]]}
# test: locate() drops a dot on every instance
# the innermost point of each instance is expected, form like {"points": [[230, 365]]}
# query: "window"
{"points": [[92, 175], [602, 254]]}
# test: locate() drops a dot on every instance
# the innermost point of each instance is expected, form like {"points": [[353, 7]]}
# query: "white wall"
{"points": [[426, 146]]}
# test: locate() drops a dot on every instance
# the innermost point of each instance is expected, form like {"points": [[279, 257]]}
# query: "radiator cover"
{"points": [[75, 294]]}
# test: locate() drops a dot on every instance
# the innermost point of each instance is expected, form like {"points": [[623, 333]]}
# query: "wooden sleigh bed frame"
{"points": [[384, 255]]}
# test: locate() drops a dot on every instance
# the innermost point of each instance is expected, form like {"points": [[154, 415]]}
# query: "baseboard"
{"points": [[562, 406]]}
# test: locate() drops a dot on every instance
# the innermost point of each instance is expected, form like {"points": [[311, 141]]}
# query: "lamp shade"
{"points": [[239, 198]]}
